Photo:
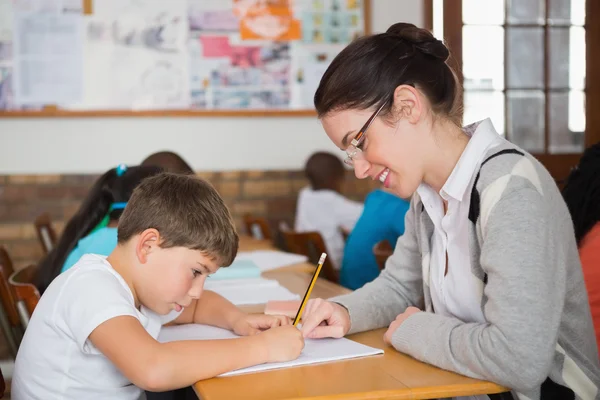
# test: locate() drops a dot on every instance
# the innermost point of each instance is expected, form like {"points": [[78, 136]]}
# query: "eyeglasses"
{"points": [[354, 149]]}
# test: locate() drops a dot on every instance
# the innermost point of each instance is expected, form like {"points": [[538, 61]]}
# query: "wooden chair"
{"points": [[26, 293], [257, 227], [311, 245], [2, 385], [45, 231], [382, 250], [9, 319]]}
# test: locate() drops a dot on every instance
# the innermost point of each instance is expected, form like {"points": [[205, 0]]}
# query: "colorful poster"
{"points": [[181, 54], [267, 20]]}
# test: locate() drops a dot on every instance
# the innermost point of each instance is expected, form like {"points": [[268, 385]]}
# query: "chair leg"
{"points": [[8, 334], [23, 313]]}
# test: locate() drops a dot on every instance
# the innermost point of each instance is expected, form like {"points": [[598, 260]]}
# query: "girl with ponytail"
{"points": [[93, 228]]}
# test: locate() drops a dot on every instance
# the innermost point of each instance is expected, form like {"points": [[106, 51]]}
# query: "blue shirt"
{"points": [[382, 218], [102, 242]]}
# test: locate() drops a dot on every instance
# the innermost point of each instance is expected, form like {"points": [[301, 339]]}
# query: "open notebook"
{"points": [[315, 350]]}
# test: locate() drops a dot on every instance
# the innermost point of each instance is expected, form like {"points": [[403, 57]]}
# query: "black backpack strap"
{"points": [[474, 206]]}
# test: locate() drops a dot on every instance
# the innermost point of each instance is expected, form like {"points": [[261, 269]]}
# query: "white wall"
{"points": [[81, 145]]}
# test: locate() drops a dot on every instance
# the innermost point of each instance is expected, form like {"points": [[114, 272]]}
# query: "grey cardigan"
{"points": [[538, 339]]}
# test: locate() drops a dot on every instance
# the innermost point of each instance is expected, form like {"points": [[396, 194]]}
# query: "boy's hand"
{"points": [[251, 324], [283, 343]]}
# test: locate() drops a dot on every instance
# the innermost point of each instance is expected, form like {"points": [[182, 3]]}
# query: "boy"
{"points": [[93, 333], [322, 208]]}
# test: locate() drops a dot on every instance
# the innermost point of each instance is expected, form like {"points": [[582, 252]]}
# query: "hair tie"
{"points": [[117, 206], [121, 169]]}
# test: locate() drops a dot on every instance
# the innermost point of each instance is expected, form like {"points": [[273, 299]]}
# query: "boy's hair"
{"points": [[114, 186], [582, 192], [187, 211], [324, 171], [169, 161]]}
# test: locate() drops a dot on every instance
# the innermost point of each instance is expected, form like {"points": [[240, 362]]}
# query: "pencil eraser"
{"points": [[288, 308]]}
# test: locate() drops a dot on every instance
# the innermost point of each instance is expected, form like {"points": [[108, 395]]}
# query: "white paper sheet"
{"points": [[48, 59], [6, 20], [315, 350], [250, 291], [271, 259], [136, 56]]}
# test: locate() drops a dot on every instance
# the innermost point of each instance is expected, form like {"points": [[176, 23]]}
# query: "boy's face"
{"points": [[173, 277]]}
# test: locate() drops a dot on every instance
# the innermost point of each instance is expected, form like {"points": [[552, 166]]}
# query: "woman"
{"points": [[486, 280]]}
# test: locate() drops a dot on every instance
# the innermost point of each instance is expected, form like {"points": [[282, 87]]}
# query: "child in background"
{"points": [[382, 219], [93, 334], [582, 195], [322, 208], [93, 229], [168, 161]]}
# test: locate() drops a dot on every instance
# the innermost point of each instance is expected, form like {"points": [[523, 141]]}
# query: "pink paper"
{"points": [[215, 46]]}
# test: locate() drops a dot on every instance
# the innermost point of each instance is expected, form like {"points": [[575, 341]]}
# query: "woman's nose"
{"points": [[361, 168]]}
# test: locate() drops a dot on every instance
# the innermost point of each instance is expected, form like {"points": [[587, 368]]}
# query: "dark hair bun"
{"points": [[421, 39]]}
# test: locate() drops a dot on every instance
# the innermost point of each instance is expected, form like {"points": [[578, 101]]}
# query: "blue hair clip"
{"points": [[121, 168], [117, 206]]}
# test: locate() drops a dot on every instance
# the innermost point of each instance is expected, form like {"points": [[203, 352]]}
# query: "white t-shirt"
{"points": [[326, 211], [56, 360]]}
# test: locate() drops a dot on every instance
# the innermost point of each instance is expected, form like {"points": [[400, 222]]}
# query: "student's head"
{"points": [[402, 79], [175, 229], [582, 192], [169, 161], [324, 171], [103, 204]]}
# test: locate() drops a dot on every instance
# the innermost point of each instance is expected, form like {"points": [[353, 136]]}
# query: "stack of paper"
{"points": [[240, 269], [271, 259], [250, 290], [315, 350]]}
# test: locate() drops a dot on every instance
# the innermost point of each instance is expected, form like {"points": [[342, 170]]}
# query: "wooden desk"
{"points": [[389, 376]]}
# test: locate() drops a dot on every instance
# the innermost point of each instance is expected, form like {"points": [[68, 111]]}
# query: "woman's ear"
{"points": [[148, 240], [407, 103]]}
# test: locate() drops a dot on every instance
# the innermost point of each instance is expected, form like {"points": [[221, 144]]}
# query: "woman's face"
{"points": [[392, 152]]}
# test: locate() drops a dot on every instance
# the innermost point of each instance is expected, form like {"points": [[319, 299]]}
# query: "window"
{"points": [[523, 64]]}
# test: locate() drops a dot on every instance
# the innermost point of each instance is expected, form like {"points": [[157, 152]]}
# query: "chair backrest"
{"points": [[6, 295], [10, 320], [257, 227], [311, 245], [2, 385], [25, 291], [382, 250], [45, 231]]}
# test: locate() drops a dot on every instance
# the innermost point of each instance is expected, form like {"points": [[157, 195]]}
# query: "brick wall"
{"points": [[23, 197]]}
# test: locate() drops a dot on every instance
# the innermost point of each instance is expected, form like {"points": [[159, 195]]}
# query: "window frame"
{"points": [[559, 165]]}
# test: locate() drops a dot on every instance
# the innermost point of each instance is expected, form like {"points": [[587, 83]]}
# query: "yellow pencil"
{"points": [[310, 287]]}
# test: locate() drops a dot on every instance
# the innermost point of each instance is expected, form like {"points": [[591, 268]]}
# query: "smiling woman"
{"points": [[488, 255]]}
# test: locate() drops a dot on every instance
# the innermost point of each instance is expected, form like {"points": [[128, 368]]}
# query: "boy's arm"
{"points": [[211, 309], [214, 309], [156, 366]]}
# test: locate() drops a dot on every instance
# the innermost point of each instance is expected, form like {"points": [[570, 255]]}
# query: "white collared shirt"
{"points": [[458, 293]]}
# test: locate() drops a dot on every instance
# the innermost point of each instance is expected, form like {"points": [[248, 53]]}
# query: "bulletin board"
{"points": [[170, 58]]}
